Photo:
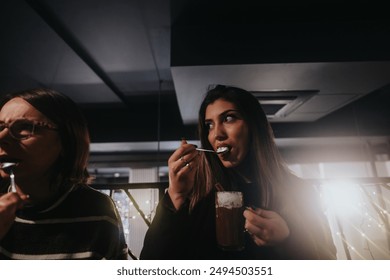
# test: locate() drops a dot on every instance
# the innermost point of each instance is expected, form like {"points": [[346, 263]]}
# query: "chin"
{"points": [[229, 164]]}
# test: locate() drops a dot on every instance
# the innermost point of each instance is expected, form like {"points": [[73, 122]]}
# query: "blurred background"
{"points": [[139, 70]]}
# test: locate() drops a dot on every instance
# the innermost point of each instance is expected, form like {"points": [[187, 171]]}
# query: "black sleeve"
{"points": [[165, 238]]}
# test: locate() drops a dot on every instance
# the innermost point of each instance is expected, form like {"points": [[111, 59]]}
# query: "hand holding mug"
{"points": [[266, 227]]}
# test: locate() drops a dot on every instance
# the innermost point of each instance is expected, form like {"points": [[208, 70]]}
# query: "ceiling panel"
{"points": [[41, 58], [335, 83], [117, 35]]}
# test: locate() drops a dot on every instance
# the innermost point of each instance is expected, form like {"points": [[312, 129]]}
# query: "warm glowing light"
{"points": [[342, 197]]}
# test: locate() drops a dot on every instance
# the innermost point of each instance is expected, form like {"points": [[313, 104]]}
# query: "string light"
{"points": [[357, 204]]}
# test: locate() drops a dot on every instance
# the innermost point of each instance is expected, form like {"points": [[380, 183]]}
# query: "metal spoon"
{"points": [[220, 150], [5, 165], [8, 167]]}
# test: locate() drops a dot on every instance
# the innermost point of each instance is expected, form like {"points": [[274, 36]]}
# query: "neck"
{"points": [[244, 170], [40, 191]]}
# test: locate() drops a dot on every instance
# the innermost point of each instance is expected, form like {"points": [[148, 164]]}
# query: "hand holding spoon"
{"points": [[8, 167]]}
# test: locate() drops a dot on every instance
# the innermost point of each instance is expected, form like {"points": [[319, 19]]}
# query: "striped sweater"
{"points": [[82, 224]]}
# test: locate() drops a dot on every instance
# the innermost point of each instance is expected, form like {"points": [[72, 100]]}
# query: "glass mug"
{"points": [[230, 220]]}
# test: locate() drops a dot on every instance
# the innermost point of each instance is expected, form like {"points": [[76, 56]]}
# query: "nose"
{"points": [[219, 132]]}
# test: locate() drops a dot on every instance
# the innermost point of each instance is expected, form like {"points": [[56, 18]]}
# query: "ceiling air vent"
{"points": [[279, 104]]}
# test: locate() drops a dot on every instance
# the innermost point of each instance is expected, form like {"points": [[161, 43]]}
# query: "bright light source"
{"points": [[342, 197]]}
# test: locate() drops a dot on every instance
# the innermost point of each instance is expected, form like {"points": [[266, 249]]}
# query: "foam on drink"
{"points": [[229, 199]]}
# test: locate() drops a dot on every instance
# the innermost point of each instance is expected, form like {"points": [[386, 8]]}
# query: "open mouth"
{"points": [[223, 149]]}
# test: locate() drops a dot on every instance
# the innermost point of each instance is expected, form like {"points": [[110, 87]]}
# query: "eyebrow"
{"points": [[225, 113]]}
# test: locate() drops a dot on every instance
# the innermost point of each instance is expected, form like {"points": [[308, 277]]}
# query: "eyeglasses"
{"points": [[22, 129]]}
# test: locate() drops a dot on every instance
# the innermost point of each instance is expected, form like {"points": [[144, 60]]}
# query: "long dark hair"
{"points": [[71, 167], [264, 163]]}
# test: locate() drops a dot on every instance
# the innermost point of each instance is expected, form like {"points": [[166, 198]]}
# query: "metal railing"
{"points": [[126, 188], [378, 205]]}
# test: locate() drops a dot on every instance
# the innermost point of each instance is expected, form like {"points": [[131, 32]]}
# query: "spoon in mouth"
{"points": [[8, 167], [220, 150]]}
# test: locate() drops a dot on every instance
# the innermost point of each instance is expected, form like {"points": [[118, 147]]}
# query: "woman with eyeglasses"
{"points": [[283, 219], [47, 209]]}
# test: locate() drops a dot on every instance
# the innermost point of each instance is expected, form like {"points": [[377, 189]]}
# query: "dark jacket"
{"points": [[183, 234]]}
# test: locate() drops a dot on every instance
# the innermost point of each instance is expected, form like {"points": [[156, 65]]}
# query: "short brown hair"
{"points": [[66, 115]]}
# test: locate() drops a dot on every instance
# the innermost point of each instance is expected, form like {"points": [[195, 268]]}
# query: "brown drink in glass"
{"points": [[229, 220]]}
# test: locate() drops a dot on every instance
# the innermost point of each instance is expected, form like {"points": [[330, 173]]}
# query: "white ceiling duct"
{"points": [[307, 91]]}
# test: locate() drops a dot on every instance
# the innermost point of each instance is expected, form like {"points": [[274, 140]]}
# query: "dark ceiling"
{"points": [[116, 58]]}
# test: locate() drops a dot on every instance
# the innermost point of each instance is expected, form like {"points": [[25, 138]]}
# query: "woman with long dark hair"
{"points": [[283, 219]]}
